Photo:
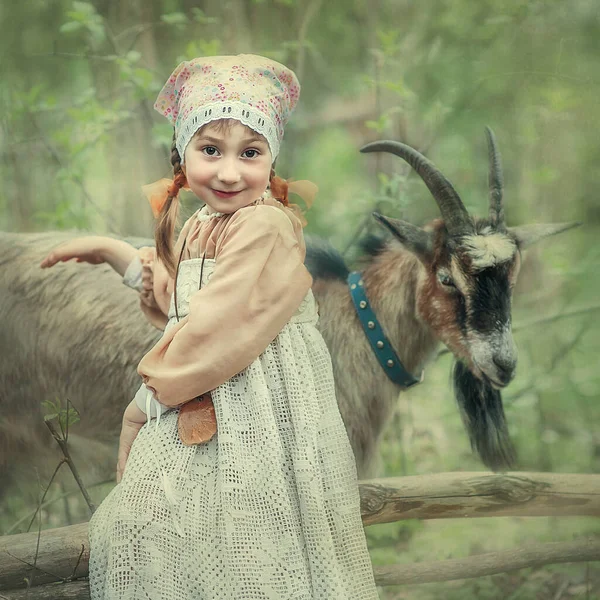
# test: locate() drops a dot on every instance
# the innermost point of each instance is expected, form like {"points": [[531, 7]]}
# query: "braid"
{"points": [[175, 158], [167, 219], [279, 188]]}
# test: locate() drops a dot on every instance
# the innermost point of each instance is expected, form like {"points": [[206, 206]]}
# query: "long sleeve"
{"points": [[258, 283], [151, 279], [133, 274]]}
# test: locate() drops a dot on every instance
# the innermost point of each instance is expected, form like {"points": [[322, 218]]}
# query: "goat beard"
{"points": [[483, 417]]}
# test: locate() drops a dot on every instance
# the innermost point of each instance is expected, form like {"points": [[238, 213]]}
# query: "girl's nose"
{"points": [[228, 172]]}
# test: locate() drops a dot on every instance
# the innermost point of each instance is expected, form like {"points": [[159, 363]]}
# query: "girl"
{"points": [[268, 507]]}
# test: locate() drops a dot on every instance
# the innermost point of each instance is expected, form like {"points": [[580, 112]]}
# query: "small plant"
{"points": [[66, 416]]}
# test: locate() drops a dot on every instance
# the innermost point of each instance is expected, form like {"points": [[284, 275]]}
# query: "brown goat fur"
{"points": [[76, 332]]}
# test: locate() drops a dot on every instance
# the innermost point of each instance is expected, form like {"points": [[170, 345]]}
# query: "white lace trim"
{"points": [[204, 215], [239, 111]]}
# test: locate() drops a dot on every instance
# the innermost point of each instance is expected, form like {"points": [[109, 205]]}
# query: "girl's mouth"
{"points": [[225, 194]]}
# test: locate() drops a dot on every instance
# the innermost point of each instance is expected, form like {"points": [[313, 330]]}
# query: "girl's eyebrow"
{"points": [[212, 140], [251, 140]]}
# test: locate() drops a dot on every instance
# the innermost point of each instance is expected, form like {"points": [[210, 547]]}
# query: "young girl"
{"points": [[267, 508]]}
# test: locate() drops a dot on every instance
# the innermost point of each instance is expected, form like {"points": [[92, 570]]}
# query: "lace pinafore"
{"points": [[268, 509]]}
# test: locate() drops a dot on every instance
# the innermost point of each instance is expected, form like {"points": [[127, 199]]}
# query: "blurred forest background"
{"points": [[79, 137]]}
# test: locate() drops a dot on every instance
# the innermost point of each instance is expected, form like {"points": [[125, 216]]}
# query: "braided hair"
{"points": [[167, 218]]}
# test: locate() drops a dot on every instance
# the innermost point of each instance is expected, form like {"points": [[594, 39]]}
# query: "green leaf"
{"points": [[201, 17], [380, 125], [70, 27], [133, 56], [389, 41], [384, 180], [201, 48], [51, 409], [50, 406], [176, 18], [396, 86], [85, 7], [97, 31], [67, 417]]}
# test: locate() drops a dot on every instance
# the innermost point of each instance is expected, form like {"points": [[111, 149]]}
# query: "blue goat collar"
{"points": [[385, 354]]}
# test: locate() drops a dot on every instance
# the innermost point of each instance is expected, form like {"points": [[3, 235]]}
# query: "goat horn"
{"points": [[496, 182], [453, 211]]}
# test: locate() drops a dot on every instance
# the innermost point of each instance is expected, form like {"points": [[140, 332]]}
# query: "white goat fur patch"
{"points": [[489, 249]]}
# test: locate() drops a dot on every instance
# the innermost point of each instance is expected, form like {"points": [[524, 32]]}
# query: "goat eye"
{"points": [[445, 279]]}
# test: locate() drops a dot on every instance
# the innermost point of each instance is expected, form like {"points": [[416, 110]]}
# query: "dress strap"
{"points": [[177, 273]]}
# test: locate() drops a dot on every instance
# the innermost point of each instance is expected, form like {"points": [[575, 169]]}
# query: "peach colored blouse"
{"points": [[258, 283]]}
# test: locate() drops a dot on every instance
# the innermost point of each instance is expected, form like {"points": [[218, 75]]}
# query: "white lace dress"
{"points": [[267, 509]]}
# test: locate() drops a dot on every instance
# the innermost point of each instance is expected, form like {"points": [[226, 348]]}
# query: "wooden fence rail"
{"points": [[63, 554], [455, 495]]}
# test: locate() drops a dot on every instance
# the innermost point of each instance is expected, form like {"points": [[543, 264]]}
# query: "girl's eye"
{"points": [[210, 150], [251, 153]]}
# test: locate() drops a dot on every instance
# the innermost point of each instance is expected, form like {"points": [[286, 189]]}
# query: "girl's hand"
{"points": [[133, 420], [93, 249], [88, 249]]}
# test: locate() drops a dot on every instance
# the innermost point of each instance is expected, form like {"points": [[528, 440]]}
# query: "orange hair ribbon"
{"points": [[158, 192], [307, 190]]}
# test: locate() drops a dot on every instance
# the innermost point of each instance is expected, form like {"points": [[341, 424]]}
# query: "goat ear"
{"points": [[527, 235], [413, 238]]}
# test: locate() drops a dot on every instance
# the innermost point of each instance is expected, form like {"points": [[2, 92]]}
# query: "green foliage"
{"points": [[386, 540], [390, 198], [141, 80], [84, 17], [201, 17], [380, 125], [178, 19], [66, 415], [201, 47], [66, 215], [389, 41]]}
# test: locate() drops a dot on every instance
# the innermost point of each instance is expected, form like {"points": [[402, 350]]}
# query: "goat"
{"points": [[450, 282], [75, 331]]}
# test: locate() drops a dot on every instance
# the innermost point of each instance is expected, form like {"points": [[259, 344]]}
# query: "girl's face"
{"points": [[227, 166]]}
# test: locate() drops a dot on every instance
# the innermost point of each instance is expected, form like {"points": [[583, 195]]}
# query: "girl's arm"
{"points": [[258, 283], [155, 286], [139, 268], [133, 421], [93, 249]]}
